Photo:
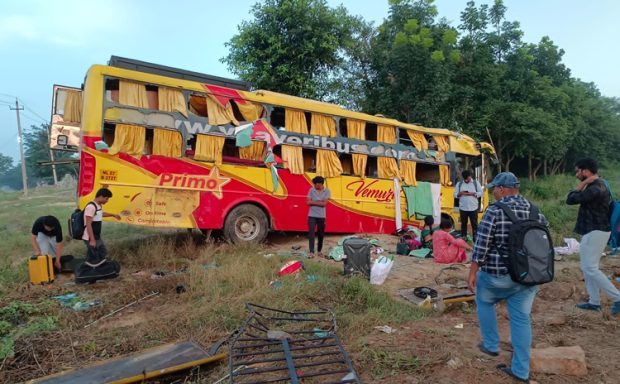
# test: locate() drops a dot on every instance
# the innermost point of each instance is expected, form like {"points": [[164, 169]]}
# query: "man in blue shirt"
{"points": [[490, 280]]}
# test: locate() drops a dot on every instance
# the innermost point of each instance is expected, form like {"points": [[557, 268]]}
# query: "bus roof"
{"points": [[162, 70], [160, 73]]}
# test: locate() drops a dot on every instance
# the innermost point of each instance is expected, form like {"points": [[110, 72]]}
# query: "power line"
{"points": [[36, 114], [33, 117]]}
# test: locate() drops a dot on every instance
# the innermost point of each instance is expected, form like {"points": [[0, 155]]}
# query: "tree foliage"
{"points": [[480, 77], [6, 163], [37, 150], [293, 46]]}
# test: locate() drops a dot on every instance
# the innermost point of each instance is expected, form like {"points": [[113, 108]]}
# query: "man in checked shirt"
{"points": [[489, 278]]}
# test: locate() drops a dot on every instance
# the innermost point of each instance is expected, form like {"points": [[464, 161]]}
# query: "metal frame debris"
{"points": [[295, 347]]}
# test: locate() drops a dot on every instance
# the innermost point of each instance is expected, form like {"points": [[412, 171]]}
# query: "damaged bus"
{"points": [[185, 150]]}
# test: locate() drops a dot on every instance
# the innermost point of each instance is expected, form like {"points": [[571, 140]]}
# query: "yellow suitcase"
{"points": [[41, 269]]}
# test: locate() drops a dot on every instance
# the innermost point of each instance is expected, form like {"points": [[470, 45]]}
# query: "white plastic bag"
{"points": [[381, 269]]}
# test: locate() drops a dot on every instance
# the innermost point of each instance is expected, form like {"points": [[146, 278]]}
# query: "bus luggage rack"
{"points": [[276, 346]]}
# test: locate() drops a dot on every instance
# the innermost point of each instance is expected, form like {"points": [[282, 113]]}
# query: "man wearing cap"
{"points": [[489, 278], [593, 224]]}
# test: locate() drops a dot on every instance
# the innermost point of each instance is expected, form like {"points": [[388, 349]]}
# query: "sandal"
{"points": [[310, 255], [506, 369]]}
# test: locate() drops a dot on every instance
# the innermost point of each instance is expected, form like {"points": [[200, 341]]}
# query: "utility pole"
{"points": [[49, 142], [21, 147]]}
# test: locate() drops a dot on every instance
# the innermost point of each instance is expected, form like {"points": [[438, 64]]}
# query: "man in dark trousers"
{"points": [[490, 280], [47, 238], [93, 217], [317, 200], [468, 191], [594, 226]]}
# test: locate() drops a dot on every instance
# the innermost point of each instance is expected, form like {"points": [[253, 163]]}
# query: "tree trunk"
{"points": [[545, 168], [556, 167], [534, 175], [507, 164], [530, 176]]}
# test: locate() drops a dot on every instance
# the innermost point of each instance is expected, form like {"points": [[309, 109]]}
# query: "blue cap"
{"points": [[505, 179]]}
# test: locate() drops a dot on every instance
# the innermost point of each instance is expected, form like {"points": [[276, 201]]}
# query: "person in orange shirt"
{"points": [[447, 249]]}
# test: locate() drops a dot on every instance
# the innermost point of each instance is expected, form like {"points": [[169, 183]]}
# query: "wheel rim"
{"points": [[247, 228]]}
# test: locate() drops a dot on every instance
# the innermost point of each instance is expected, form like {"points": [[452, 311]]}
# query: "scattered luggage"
{"points": [[357, 261], [41, 269], [88, 274]]}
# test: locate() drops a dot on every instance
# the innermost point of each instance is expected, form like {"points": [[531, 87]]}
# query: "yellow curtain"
{"points": [[128, 139], [293, 159], [407, 171], [219, 115], [387, 168], [167, 142], [356, 129], [171, 100], [327, 163], [418, 139], [253, 152], [359, 165], [132, 94], [209, 148], [295, 121], [73, 107], [444, 175], [322, 125], [442, 143], [250, 111], [386, 134]]}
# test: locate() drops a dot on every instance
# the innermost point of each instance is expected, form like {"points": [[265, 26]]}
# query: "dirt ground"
{"points": [[445, 342], [453, 334]]}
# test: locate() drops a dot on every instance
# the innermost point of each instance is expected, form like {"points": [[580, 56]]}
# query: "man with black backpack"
{"points": [[96, 266], [593, 224], [468, 192], [511, 234]]}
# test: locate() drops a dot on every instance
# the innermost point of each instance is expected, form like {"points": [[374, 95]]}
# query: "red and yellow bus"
{"points": [[186, 150]]}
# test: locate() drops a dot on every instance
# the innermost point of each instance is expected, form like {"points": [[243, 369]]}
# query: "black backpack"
{"points": [[77, 224], [530, 250]]}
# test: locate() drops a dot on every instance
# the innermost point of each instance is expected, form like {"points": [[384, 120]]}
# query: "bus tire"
{"points": [[246, 223]]}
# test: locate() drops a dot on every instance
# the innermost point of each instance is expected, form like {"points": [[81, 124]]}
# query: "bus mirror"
{"points": [[62, 140]]}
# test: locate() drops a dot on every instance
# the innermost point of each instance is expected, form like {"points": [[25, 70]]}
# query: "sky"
{"points": [[54, 42]]}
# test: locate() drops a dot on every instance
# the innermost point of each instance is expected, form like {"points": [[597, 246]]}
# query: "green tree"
{"points": [[297, 47], [6, 163], [412, 62], [37, 150]]}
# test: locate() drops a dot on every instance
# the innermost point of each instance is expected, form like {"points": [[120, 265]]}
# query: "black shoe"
{"points": [[484, 350], [589, 307], [506, 369]]}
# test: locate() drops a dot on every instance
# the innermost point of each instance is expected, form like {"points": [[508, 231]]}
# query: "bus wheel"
{"points": [[246, 223]]}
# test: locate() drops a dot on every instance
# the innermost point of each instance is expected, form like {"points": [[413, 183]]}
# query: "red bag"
{"points": [[291, 268]]}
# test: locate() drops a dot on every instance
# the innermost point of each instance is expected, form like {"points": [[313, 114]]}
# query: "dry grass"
{"points": [[219, 279]]}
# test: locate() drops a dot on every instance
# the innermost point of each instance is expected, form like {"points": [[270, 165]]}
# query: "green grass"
{"points": [[219, 280]]}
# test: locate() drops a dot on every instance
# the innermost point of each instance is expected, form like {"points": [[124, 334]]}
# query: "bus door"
{"points": [[66, 118]]}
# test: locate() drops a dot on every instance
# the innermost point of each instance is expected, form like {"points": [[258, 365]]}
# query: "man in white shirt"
{"points": [[93, 217], [468, 191]]}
